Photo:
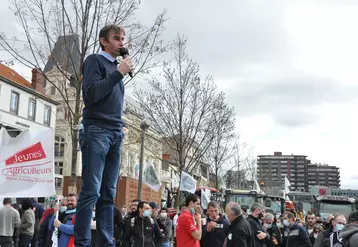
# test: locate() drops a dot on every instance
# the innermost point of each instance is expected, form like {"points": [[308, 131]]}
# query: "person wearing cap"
{"points": [[350, 232], [155, 210]]}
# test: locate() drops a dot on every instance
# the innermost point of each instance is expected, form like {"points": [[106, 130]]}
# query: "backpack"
{"points": [[344, 242]]}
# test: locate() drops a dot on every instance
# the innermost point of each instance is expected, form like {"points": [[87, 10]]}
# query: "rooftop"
{"points": [[13, 76]]}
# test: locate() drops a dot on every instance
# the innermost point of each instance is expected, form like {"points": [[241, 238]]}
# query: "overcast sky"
{"points": [[290, 68]]}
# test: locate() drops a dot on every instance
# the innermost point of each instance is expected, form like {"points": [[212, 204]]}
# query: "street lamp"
{"points": [[144, 125]]}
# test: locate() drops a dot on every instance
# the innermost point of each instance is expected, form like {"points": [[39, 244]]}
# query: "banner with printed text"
{"points": [[27, 164]]}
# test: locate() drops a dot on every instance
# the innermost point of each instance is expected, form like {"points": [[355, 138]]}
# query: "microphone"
{"points": [[123, 52]]}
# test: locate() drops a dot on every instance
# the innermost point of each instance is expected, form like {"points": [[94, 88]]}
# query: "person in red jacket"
{"points": [[189, 228]]}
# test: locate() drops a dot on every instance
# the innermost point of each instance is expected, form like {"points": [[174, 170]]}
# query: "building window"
{"points": [[59, 146], [58, 182], [59, 167], [14, 104], [53, 90], [47, 115], [32, 109]]}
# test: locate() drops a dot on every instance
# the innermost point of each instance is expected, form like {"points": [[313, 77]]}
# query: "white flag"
{"points": [[27, 164], [205, 198], [151, 179], [287, 186], [187, 183]]}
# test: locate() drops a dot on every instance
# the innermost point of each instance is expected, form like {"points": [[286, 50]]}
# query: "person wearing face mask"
{"points": [[295, 236], [272, 229], [45, 234], [330, 237], [254, 219], [165, 226], [141, 230], [216, 227], [279, 224]]}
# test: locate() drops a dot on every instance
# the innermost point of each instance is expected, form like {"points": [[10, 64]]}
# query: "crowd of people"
{"points": [[146, 224]]}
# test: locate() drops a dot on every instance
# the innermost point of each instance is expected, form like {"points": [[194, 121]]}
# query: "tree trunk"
{"points": [[75, 137]]}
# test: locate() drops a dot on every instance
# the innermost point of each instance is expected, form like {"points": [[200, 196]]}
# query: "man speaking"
{"points": [[101, 137]]}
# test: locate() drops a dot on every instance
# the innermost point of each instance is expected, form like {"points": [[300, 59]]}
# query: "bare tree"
{"points": [[241, 171], [77, 23], [183, 109], [222, 148]]}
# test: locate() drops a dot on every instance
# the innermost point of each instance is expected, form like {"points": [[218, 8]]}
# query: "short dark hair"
{"points": [[290, 215], [141, 204], [182, 206], [213, 204], [7, 201], [26, 204], [164, 209], [309, 213], [190, 198], [106, 30], [72, 195], [136, 200]]}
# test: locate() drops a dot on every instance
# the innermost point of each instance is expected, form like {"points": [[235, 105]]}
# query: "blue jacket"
{"points": [[66, 229], [217, 236]]}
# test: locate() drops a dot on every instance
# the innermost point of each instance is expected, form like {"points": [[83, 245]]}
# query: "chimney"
{"points": [[38, 80]]}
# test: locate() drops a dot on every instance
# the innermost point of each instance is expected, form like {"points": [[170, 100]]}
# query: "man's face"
{"points": [[259, 212], [145, 207], [339, 220], [114, 43], [286, 218], [268, 221], [195, 205], [311, 220], [155, 211], [124, 210], [213, 213], [228, 213], [134, 206], [72, 202]]}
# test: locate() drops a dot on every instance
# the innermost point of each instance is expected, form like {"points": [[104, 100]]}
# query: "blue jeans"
{"points": [[101, 153], [164, 244], [25, 240]]}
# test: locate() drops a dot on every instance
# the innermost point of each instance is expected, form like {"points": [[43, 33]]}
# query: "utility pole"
{"points": [[144, 125]]}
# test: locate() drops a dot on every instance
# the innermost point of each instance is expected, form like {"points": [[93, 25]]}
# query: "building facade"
{"points": [[272, 169], [323, 175], [23, 105]]}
